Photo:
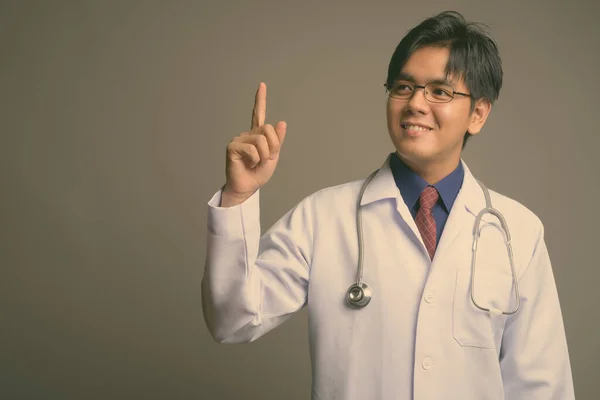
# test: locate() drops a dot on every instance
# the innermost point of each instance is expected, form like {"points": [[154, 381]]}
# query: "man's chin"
{"points": [[416, 157], [408, 149]]}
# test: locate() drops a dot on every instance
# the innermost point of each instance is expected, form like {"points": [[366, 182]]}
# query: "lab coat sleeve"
{"points": [[252, 284], [534, 357]]}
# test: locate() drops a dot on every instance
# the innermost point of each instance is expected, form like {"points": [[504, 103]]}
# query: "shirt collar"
{"points": [[411, 185], [383, 187]]}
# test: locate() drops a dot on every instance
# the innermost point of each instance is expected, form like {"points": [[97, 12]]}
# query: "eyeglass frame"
{"points": [[454, 92]]}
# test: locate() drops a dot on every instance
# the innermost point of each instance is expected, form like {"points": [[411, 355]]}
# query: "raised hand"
{"points": [[252, 156]]}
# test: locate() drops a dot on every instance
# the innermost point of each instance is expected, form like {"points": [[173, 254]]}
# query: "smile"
{"points": [[416, 128]]}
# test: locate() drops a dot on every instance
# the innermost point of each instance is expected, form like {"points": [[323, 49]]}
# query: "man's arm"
{"points": [[252, 284], [534, 357]]}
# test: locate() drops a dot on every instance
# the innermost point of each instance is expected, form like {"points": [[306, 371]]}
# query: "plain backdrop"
{"points": [[115, 116]]}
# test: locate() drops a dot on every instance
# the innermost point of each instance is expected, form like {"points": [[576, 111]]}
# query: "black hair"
{"points": [[474, 56]]}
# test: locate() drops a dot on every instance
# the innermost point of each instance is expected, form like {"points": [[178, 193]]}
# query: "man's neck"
{"points": [[432, 172]]}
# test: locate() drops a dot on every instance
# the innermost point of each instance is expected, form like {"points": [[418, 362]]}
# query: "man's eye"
{"points": [[402, 88], [441, 92]]}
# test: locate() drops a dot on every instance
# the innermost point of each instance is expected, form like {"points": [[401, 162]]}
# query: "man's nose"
{"points": [[418, 102]]}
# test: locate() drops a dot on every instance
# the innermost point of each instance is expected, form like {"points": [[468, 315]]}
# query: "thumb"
{"points": [[281, 129]]}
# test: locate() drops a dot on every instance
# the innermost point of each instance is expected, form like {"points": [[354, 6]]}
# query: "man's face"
{"points": [[439, 146]]}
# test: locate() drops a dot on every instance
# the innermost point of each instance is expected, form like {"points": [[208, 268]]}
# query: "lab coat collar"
{"points": [[382, 186], [470, 197], [469, 201], [471, 194]]}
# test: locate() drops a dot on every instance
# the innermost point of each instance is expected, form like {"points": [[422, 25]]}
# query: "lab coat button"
{"points": [[427, 363], [429, 297]]}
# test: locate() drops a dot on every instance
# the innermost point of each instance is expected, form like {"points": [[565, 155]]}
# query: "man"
{"points": [[430, 331]]}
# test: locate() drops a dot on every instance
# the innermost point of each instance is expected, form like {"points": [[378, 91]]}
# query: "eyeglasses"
{"points": [[434, 92]]}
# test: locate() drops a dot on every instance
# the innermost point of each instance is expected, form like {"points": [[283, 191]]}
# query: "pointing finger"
{"points": [[260, 106]]}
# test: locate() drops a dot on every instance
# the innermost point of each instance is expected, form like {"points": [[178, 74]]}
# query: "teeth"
{"points": [[415, 128]]}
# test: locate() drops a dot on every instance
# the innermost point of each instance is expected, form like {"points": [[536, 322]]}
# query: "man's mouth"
{"points": [[414, 128]]}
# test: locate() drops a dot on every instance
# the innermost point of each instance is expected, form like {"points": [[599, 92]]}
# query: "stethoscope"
{"points": [[359, 294]]}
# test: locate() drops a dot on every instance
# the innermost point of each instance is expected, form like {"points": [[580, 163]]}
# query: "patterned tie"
{"points": [[424, 219]]}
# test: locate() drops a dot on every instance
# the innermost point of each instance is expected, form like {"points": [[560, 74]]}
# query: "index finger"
{"points": [[260, 106]]}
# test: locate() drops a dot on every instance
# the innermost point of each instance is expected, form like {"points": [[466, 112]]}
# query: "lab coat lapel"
{"points": [[384, 186], [469, 201]]}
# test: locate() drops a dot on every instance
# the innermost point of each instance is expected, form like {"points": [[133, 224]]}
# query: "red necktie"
{"points": [[424, 219]]}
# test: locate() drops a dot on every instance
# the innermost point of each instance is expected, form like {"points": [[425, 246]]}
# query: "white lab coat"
{"points": [[420, 337]]}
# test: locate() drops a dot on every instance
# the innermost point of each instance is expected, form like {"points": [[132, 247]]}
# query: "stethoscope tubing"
{"points": [[360, 293]]}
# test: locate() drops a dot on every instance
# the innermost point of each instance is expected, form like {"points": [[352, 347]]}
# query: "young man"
{"points": [[435, 328]]}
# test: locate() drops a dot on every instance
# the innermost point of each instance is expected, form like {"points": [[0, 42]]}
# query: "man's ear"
{"points": [[479, 115]]}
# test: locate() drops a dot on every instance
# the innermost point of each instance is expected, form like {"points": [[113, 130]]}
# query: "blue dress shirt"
{"points": [[411, 185]]}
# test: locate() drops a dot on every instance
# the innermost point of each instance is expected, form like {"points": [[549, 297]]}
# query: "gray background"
{"points": [[115, 117]]}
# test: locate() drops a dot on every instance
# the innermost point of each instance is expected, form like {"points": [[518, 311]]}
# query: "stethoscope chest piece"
{"points": [[358, 295]]}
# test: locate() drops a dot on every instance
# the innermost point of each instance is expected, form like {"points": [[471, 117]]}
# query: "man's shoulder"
{"points": [[515, 211], [336, 195]]}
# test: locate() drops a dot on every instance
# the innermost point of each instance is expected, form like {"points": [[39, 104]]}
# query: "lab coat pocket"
{"points": [[473, 327]]}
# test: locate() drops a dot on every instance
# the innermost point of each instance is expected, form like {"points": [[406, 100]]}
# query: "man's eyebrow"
{"points": [[408, 77]]}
